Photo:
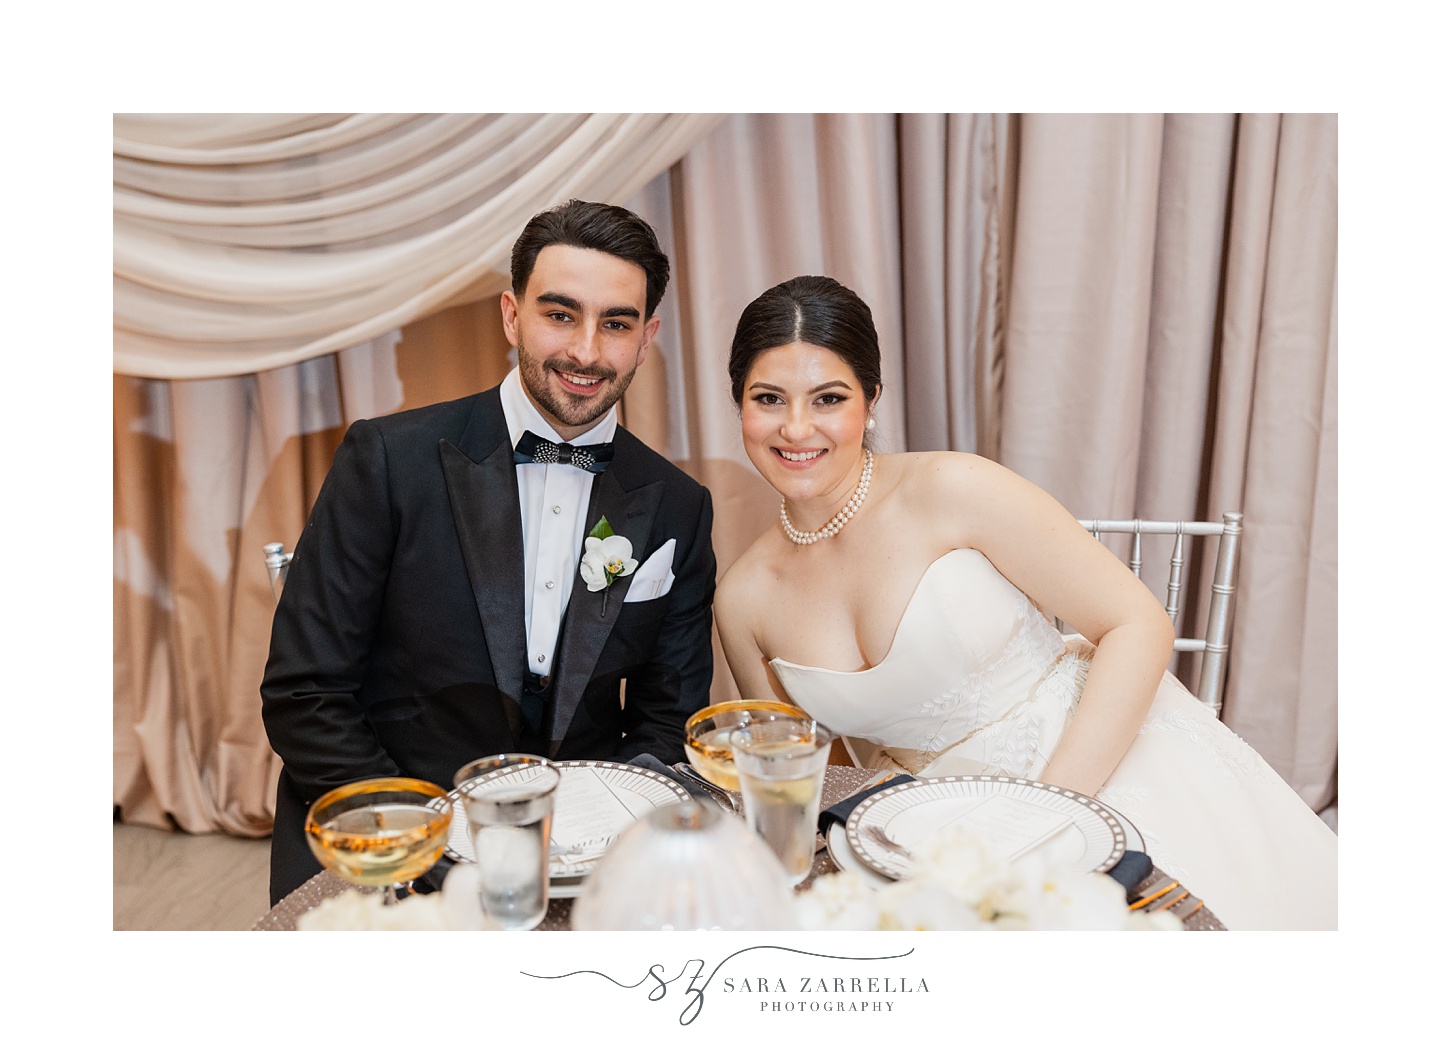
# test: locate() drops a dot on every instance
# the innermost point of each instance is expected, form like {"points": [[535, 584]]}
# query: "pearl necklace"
{"points": [[843, 516]]}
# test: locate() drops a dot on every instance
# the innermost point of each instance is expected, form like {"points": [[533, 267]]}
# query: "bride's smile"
{"points": [[803, 458]]}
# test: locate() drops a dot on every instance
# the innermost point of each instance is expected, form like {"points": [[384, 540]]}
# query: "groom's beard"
{"points": [[570, 410]]}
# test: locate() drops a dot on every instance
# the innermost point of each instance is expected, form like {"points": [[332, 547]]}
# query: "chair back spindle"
{"points": [[1221, 611], [1176, 569], [1213, 645]]}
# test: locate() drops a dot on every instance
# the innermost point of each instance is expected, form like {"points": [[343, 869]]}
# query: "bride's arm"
{"points": [[1034, 542], [735, 623]]}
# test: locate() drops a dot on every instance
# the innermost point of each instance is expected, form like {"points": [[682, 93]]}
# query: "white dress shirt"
{"points": [[553, 499]]}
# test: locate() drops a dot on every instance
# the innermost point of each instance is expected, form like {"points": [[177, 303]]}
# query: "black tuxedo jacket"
{"points": [[398, 642]]}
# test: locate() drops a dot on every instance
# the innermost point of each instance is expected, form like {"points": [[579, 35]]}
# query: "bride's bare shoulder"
{"points": [[734, 588], [930, 475]]}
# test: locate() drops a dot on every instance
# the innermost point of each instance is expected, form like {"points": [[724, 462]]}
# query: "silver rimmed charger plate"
{"points": [[637, 789], [846, 860], [1092, 834]]}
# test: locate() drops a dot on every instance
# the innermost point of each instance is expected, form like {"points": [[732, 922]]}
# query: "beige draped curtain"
{"points": [[1134, 311], [247, 243]]}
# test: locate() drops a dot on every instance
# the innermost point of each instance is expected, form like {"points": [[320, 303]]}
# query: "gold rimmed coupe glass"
{"points": [[708, 738], [380, 833]]}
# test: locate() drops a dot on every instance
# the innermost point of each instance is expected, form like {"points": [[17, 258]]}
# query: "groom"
{"points": [[435, 610]]}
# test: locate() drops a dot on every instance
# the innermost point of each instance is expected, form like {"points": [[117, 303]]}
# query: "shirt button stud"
{"points": [[549, 585], [541, 657], [556, 509]]}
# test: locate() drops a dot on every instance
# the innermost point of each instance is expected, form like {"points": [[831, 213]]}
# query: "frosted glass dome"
{"points": [[687, 867]]}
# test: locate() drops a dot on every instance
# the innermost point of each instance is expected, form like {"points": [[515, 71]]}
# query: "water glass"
{"points": [[509, 799], [782, 765]]}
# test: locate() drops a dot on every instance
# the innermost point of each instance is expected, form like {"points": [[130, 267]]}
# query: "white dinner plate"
{"points": [[1014, 816], [636, 790], [846, 861]]}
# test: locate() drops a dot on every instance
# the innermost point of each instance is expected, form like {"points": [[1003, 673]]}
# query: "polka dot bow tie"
{"points": [[534, 450]]}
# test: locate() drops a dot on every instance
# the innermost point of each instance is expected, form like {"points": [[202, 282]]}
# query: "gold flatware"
{"points": [[1172, 896]]}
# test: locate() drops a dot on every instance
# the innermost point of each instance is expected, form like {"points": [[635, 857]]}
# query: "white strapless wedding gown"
{"points": [[977, 681]]}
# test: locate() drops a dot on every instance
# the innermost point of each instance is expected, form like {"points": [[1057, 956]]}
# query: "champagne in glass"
{"points": [[710, 754], [379, 833], [708, 737]]}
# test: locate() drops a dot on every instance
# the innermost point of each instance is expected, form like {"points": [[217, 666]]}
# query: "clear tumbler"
{"points": [[509, 799], [782, 765]]}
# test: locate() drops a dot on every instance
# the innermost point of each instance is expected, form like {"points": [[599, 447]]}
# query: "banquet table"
{"points": [[841, 783]]}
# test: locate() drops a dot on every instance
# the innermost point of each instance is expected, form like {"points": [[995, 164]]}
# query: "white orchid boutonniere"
{"points": [[606, 557]]}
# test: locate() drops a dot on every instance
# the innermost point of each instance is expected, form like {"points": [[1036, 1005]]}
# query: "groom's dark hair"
{"points": [[813, 310], [593, 226]]}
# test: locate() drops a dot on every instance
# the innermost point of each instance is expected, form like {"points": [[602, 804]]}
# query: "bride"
{"points": [[901, 601]]}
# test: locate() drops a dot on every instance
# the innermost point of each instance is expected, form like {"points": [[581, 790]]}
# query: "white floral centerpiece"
{"points": [[960, 884], [354, 911]]}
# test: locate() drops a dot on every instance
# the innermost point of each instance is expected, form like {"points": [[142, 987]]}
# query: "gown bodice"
{"points": [[971, 653]]}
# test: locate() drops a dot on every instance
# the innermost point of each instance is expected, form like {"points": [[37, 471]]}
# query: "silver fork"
{"points": [[734, 800], [580, 848]]}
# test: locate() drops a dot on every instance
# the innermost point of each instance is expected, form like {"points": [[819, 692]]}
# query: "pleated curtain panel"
{"points": [[1135, 311]]}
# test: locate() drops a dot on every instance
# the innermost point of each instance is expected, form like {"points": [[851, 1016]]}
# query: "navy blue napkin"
{"points": [[841, 811], [1131, 869], [654, 764], [432, 881]]}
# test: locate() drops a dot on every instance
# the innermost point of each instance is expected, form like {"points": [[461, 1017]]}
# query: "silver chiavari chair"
{"points": [[277, 562], [1213, 643]]}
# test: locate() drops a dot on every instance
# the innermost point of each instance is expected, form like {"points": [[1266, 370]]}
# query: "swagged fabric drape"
{"points": [[247, 243], [1136, 312]]}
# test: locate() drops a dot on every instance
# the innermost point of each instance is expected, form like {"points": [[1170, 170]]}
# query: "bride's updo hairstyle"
{"points": [[813, 310]]}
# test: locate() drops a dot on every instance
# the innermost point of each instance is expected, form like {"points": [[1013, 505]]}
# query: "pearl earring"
{"points": [[871, 423]]}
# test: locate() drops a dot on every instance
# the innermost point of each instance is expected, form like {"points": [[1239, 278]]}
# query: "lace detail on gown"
{"points": [[1022, 747], [1237, 761], [964, 709]]}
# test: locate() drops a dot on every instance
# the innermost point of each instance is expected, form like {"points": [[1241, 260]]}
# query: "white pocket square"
{"points": [[654, 578]]}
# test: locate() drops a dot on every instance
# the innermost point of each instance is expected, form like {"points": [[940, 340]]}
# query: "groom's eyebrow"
{"points": [[565, 301]]}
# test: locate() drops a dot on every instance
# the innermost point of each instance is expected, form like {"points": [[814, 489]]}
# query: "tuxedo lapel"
{"points": [[591, 614], [485, 502]]}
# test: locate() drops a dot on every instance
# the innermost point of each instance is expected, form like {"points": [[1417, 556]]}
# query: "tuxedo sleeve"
{"points": [[676, 682], [325, 622]]}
